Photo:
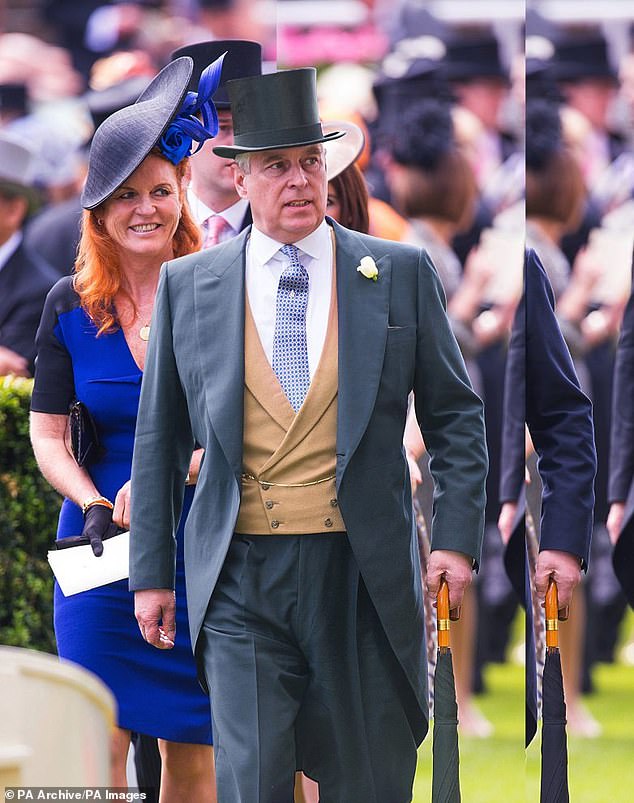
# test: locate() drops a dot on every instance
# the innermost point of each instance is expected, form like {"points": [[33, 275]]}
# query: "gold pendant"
{"points": [[144, 332]]}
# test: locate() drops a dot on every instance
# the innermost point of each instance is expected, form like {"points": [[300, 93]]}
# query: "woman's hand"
{"points": [[506, 519], [415, 476], [121, 512], [194, 466], [615, 521], [98, 525]]}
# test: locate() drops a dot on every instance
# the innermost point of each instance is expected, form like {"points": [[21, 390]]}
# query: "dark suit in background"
{"points": [[54, 233], [621, 483], [541, 381], [25, 280]]}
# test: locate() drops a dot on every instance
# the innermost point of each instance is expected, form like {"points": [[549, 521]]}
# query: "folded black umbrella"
{"points": [[554, 778], [445, 755]]}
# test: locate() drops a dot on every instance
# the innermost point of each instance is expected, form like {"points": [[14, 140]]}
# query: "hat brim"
{"points": [[578, 74], [231, 151], [342, 152], [468, 75], [125, 138]]}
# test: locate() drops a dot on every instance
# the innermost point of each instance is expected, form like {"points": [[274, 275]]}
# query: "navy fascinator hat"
{"points": [[164, 115], [543, 132], [424, 134]]}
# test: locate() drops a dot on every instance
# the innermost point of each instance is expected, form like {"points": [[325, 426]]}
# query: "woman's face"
{"points": [[141, 217], [333, 205]]}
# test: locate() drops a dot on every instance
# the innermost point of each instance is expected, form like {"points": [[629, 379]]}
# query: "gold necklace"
{"points": [[144, 331]]}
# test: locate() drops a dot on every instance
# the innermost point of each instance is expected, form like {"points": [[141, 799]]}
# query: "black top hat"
{"points": [[104, 102], [276, 110], [243, 59], [422, 78], [582, 55], [161, 116], [471, 56]]}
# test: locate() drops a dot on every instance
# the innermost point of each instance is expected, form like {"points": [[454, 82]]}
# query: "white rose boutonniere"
{"points": [[368, 269]]}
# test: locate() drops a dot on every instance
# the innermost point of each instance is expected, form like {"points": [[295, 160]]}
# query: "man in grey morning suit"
{"points": [[292, 368]]}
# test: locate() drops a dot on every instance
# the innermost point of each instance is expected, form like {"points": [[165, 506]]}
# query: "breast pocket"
{"points": [[400, 334], [398, 365]]}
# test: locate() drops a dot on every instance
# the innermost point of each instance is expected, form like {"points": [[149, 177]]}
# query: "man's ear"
{"points": [[239, 180]]}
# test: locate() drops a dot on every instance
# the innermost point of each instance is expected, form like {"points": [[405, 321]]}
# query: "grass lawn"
{"points": [[491, 770], [600, 770], [498, 770]]}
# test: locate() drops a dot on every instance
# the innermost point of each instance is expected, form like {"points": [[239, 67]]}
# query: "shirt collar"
{"points": [[8, 249], [315, 245], [234, 214]]}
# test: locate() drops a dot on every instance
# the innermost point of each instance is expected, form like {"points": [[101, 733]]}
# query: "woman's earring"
{"points": [[100, 221]]}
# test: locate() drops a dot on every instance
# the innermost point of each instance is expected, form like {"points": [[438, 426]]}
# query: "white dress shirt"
{"points": [[264, 266], [234, 214]]}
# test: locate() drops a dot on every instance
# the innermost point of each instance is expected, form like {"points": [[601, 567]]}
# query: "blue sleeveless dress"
{"points": [[157, 691]]}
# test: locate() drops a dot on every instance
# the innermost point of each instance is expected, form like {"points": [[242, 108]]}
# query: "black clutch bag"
{"points": [[84, 540], [84, 439]]}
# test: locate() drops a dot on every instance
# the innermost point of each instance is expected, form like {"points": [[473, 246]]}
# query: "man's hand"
{"points": [[506, 519], [121, 512], [155, 611], [457, 570], [12, 363], [565, 570], [615, 521], [415, 476]]}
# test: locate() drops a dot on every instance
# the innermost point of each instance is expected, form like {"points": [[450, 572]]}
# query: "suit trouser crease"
{"points": [[302, 676]]}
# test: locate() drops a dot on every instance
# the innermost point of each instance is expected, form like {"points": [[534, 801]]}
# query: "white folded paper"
{"points": [[77, 569]]}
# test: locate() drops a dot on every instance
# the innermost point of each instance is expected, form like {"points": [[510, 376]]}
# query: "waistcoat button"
{"points": [[275, 524], [328, 522], [268, 504]]}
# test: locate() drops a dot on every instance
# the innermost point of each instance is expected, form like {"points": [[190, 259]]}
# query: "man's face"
{"points": [[287, 189], [593, 98], [13, 211], [484, 98], [209, 170]]}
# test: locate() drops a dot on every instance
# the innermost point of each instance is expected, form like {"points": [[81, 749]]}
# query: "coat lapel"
{"points": [[219, 320], [363, 320], [363, 309]]}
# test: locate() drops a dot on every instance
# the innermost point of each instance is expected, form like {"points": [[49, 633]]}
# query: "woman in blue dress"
{"points": [[91, 347]]}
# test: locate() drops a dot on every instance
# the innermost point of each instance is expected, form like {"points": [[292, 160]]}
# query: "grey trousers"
{"points": [[302, 677]]}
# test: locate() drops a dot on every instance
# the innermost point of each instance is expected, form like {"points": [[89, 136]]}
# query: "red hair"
{"points": [[98, 276]]}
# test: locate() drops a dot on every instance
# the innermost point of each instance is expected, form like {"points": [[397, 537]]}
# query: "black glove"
{"points": [[98, 525]]}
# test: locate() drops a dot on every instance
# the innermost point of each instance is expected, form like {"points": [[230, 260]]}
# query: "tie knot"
{"points": [[215, 226], [292, 252]]}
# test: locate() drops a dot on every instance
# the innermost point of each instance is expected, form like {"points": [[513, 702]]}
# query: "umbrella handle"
{"points": [[442, 610], [552, 615]]}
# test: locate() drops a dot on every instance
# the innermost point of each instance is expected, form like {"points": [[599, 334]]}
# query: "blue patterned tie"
{"points": [[290, 350]]}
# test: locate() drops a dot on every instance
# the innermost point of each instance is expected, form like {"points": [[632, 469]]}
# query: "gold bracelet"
{"points": [[96, 500]]}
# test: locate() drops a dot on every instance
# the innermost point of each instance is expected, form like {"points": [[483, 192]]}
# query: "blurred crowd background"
{"points": [[485, 124]]}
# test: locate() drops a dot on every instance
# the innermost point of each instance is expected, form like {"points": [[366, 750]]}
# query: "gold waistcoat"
{"points": [[288, 484]]}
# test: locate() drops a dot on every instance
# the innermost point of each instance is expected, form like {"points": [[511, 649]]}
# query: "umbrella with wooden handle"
{"points": [[445, 756], [554, 780]]}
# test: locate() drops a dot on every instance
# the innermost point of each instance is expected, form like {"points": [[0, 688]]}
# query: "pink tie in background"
{"points": [[213, 228]]}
